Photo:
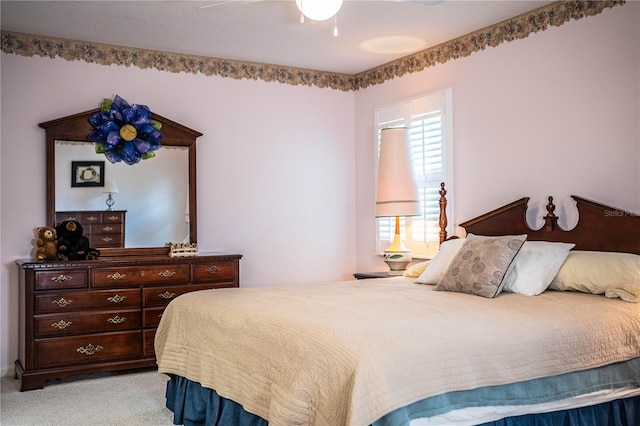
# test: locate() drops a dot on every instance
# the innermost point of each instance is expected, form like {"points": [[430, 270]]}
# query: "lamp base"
{"points": [[397, 261], [110, 202], [397, 256]]}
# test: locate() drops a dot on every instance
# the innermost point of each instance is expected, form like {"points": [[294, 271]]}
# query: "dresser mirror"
{"points": [[157, 195]]}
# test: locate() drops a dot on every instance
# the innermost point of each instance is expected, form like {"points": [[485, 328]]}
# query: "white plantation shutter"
{"points": [[429, 120]]}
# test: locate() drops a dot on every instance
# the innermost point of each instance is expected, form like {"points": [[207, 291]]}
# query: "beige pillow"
{"points": [[598, 272], [415, 270], [481, 265]]}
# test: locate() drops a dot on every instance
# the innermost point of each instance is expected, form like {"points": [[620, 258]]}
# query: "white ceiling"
{"points": [[259, 30]]}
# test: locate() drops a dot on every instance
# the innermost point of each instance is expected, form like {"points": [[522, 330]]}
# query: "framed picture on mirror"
{"points": [[87, 173]]}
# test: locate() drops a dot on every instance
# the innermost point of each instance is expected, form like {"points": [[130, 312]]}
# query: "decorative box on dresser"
{"points": [[100, 316], [103, 228]]}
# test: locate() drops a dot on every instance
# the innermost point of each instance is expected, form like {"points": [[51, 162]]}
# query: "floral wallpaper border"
{"points": [[519, 27]]}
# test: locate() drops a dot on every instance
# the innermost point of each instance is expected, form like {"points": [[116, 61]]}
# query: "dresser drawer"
{"points": [[156, 274], [106, 228], [113, 217], [161, 296], [83, 323], [72, 278], [151, 316], [70, 301], [86, 349], [62, 216], [90, 218], [106, 240], [214, 272]]}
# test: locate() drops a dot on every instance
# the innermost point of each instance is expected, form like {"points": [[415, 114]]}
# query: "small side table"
{"points": [[365, 275]]}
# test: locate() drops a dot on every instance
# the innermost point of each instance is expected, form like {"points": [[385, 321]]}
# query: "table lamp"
{"points": [[110, 187], [397, 191]]}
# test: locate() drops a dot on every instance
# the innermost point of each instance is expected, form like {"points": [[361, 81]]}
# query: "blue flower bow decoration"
{"points": [[124, 132]]}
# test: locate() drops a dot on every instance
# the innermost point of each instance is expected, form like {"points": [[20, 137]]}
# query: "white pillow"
{"points": [[438, 265], [610, 273], [535, 266]]}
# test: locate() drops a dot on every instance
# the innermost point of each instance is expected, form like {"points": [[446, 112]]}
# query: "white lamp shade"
{"points": [[319, 10], [111, 187], [397, 188]]}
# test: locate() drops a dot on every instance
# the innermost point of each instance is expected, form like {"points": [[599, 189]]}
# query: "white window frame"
{"points": [[420, 233]]}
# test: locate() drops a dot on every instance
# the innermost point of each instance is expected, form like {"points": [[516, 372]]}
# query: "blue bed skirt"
{"points": [[621, 412], [193, 404]]}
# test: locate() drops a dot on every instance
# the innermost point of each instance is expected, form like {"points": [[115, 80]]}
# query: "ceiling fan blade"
{"points": [[422, 2], [223, 2], [216, 3], [325, 26]]}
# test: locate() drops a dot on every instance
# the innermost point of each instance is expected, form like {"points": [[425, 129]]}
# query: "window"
{"points": [[429, 120]]}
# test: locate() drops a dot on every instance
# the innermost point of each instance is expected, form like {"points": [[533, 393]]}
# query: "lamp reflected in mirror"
{"points": [[110, 187]]}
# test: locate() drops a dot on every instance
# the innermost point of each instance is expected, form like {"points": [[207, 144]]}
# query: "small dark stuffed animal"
{"points": [[69, 235], [72, 245]]}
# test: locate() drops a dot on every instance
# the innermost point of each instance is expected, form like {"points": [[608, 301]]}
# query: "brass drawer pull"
{"points": [[167, 295], [166, 274], [61, 325], [61, 278], [62, 302], [106, 239], [113, 218], [107, 228], [89, 349], [117, 276], [213, 269], [117, 320], [92, 218], [116, 299]]}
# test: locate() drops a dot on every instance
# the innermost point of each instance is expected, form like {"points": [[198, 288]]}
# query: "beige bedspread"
{"points": [[348, 353]]}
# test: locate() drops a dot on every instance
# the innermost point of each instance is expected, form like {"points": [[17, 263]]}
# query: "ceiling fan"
{"points": [[315, 10], [223, 2], [318, 10]]}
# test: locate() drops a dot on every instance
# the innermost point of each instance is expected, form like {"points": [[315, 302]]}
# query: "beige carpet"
{"points": [[117, 399]]}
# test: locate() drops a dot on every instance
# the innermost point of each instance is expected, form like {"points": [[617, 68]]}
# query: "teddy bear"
{"points": [[46, 244], [72, 245]]}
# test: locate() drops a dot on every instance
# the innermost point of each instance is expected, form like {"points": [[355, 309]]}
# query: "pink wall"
{"points": [[555, 114]]}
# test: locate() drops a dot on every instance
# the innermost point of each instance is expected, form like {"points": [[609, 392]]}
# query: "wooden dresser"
{"points": [[96, 316], [103, 228]]}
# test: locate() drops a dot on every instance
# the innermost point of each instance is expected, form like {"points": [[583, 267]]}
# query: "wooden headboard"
{"points": [[600, 227]]}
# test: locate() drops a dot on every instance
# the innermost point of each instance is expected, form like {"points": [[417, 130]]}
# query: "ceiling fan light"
{"points": [[319, 10]]}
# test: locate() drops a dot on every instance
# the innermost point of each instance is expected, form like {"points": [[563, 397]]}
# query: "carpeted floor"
{"points": [[108, 399]]}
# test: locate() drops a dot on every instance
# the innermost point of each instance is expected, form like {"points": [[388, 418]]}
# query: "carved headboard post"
{"points": [[442, 221], [550, 219]]}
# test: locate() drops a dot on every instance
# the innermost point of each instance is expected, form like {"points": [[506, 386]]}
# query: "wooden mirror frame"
{"points": [[77, 128]]}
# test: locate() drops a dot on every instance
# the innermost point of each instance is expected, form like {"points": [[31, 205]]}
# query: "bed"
{"points": [[547, 332]]}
